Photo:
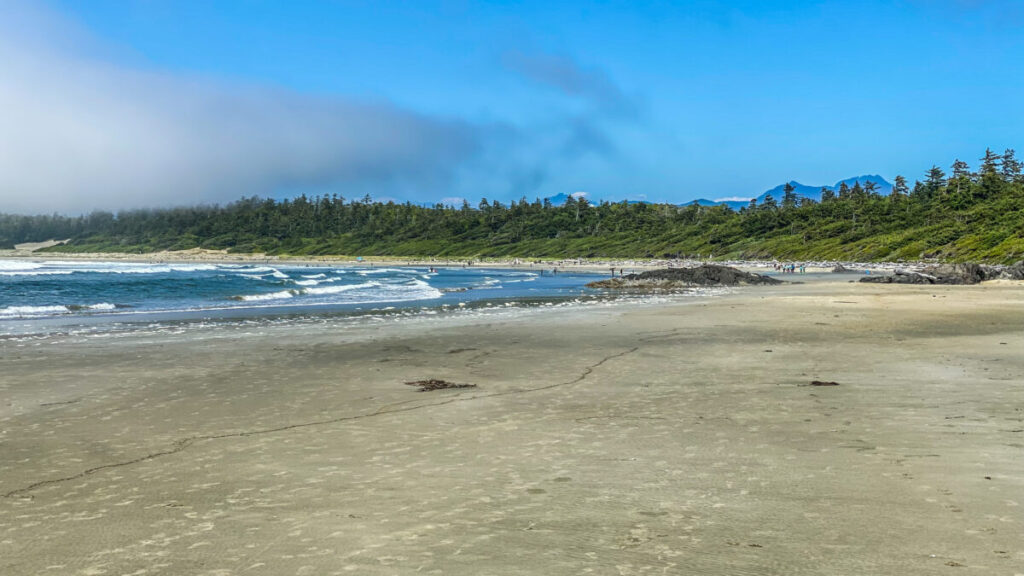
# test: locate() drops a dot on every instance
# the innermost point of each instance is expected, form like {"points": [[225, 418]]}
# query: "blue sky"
{"points": [[666, 101]]}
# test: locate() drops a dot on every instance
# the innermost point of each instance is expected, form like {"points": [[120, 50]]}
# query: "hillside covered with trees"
{"points": [[964, 214]]}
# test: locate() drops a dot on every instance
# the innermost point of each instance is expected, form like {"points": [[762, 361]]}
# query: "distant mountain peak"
{"points": [[882, 186]]}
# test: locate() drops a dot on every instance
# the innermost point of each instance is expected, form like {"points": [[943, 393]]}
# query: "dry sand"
{"points": [[601, 265], [677, 439]]}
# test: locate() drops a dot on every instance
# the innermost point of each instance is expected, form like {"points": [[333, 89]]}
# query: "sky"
{"points": [[111, 104]]}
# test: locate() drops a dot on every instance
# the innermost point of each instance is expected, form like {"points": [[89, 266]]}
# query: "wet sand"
{"points": [[672, 439]]}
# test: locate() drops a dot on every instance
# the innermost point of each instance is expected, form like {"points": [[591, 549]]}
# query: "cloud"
{"points": [[82, 130], [454, 201], [572, 79], [733, 199], [595, 107], [580, 194]]}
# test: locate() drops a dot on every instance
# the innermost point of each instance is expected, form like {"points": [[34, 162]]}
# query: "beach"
{"points": [[673, 438], [602, 265]]}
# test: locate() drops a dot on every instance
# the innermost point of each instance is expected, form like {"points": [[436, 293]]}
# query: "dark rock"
{"points": [[964, 273], [1014, 271], [823, 383], [669, 278], [840, 269]]}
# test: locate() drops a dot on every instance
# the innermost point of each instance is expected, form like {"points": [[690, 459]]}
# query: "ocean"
{"points": [[47, 296]]}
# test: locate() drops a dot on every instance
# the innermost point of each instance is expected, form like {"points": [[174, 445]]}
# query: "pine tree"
{"points": [[990, 163], [844, 191], [870, 188], [936, 178], [827, 194], [961, 169], [1012, 168], [899, 187], [857, 191], [961, 175], [789, 196]]}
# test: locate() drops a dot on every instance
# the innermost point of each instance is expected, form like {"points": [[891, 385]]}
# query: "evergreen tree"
{"points": [[936, 179], [961, 175], [789, 196], [989, 175], [844, 191], [899, 187], [857, 191], [1011, 168], [961, 169], [984, 220], [990, 163]]}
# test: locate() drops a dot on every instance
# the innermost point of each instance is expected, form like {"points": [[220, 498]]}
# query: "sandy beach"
{"points": [[600, 265], [680, 438]]}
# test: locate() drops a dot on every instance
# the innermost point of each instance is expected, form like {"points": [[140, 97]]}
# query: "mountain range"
{"points": [[883, 187]]}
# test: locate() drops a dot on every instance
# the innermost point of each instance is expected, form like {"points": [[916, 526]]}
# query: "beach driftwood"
{"points": [[672, 278], [433, 384], [965, 273]]}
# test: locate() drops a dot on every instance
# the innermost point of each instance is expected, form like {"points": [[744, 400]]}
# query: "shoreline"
{"points": [[601, 265]]}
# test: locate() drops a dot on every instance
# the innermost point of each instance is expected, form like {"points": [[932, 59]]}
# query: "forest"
{"points": [[961, 215]]}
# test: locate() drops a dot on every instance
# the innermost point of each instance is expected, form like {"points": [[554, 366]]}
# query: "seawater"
{"points": [[40, 296]]}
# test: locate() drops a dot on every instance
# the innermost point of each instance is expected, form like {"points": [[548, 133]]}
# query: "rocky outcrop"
{"points": [[1014, 271], [672, 278], [965, 273]]}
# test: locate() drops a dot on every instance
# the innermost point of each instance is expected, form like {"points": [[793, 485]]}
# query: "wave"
{"points": [[339, 289], [488, 283], [100, 307], [384, 271], [414, 290], [36, 272], [368, 292], [53, 310], [32, 311], [270, 296], [64, 267], [18, 265], [258, 272]]}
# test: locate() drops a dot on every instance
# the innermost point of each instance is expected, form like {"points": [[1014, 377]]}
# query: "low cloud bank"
{"points": [[80, 133]]}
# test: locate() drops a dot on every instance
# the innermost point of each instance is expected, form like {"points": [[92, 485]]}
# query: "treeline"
{"points": [[965, 215]]}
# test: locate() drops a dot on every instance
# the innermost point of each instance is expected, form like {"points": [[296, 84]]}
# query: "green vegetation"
{"points": [[965, 216]]}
